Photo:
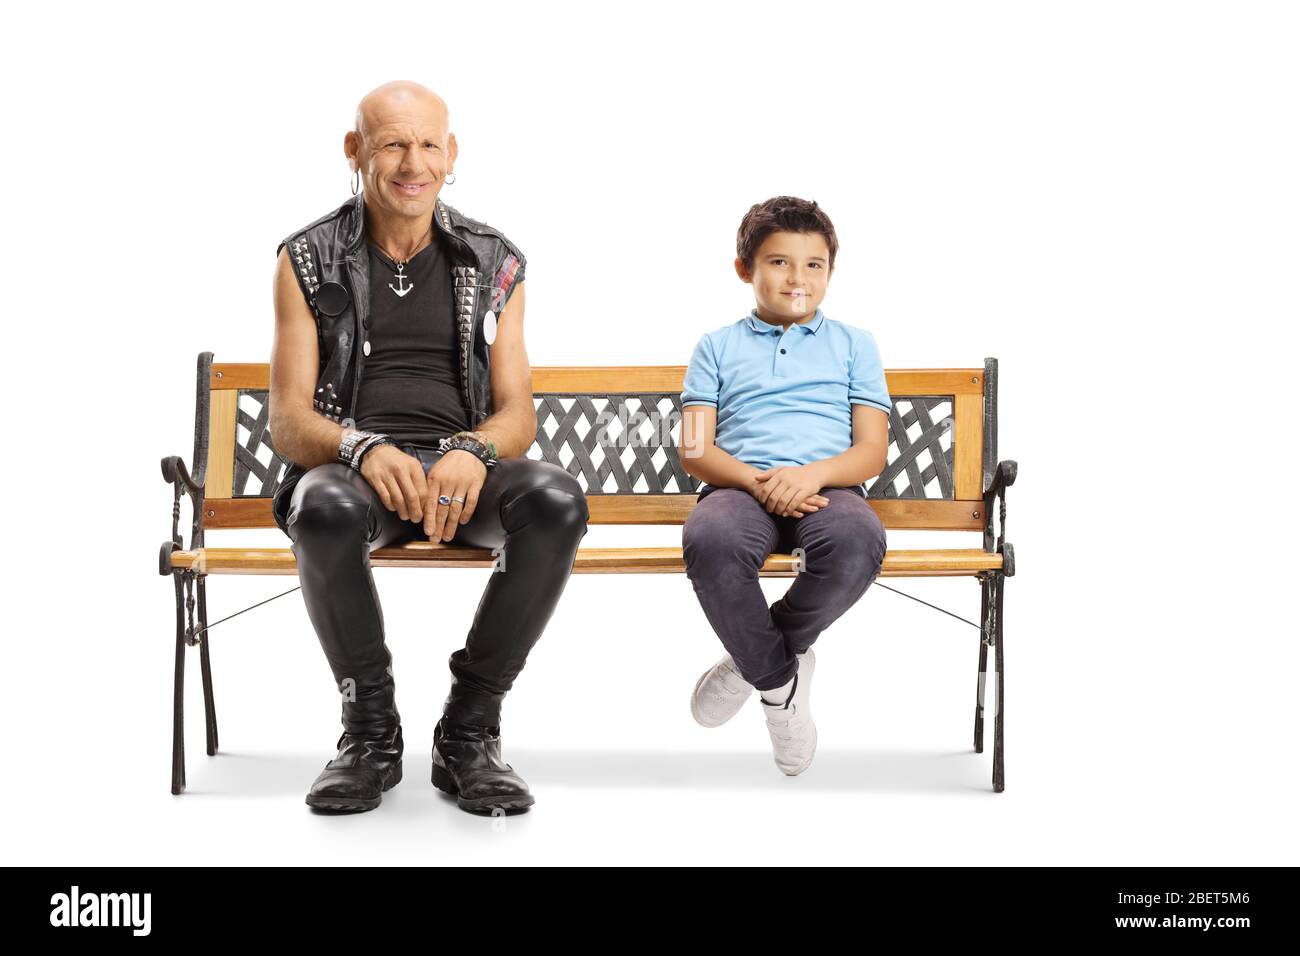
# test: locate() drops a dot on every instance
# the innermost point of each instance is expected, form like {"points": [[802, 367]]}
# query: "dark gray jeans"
{"points": [[727, 538]]}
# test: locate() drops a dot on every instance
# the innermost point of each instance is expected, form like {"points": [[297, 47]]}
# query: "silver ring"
{"points": [[461, 500], [444, 500]]}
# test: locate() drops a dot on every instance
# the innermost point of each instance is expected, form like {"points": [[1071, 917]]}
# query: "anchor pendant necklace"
{"points": [[400, 265], [401, 289]]}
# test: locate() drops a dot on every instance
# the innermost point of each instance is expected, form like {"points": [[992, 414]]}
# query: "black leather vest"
{"points": [[331, 262]]}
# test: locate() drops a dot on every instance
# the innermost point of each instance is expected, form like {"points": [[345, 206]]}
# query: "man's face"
{"points": [[404, 152], [790, 275]]}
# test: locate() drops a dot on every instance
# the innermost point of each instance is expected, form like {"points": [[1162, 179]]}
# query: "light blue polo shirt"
{"points": [[785, 398]]}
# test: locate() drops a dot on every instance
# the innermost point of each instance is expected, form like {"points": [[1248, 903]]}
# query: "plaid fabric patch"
{"points": [[504, 280]]}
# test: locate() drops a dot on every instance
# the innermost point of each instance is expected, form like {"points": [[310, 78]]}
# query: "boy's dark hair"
{"points": [[782, 214]]}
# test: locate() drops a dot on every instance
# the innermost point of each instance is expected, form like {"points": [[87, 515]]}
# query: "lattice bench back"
{"points": [[942, 443]]}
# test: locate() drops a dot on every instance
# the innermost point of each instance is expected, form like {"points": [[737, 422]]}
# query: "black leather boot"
{"points": [[369, 759], [467, 756]]}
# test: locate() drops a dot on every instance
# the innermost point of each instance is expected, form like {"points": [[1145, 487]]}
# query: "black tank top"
{"points": [[411, 386]]}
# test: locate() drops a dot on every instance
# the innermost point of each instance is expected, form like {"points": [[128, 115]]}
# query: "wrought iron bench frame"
{"points": [[233, 452]]}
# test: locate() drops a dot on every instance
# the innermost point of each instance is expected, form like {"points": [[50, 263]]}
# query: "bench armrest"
{"points": [[174, 471], [1004, 476], [177, 475]]}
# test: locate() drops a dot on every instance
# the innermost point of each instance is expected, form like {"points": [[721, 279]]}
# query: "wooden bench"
{"points": [[943, 474]]}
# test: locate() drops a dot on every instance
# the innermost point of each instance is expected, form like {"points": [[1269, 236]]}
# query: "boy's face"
{"points": [[791, 272]]}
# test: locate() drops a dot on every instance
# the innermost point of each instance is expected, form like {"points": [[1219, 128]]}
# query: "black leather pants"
{"points": [[535, 511]]}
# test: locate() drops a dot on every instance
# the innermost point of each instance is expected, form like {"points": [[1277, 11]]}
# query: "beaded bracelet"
{"points": [[480, 437]]}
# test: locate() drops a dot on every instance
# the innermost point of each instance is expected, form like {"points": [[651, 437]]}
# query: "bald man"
{"points": [[402, 397]]}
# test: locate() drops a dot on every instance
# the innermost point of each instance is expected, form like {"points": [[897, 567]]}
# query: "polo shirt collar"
{"points": [[811, 326]]}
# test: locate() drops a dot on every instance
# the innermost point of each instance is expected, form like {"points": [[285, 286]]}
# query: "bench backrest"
{"points": [[942, 443]]}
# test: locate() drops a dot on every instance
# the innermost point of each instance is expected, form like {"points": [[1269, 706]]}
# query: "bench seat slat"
{"points": [[946, 562], [649, 509]]}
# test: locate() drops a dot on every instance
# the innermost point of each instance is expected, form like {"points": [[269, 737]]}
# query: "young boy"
{"points": [[785, 415]]}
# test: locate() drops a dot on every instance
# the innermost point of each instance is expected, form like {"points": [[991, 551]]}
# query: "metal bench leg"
{"points": [[984, 662], [999, 773], [178, 701], [205, 664]]}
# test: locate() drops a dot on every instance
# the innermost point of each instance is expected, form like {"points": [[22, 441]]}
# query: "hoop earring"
{"points": [[356, 181], [447, 181]]}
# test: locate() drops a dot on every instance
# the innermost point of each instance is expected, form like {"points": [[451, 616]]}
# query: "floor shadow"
{"points": [[866, 771]]}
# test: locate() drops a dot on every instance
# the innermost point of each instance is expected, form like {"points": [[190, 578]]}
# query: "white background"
{"points": [[1101, 195]]}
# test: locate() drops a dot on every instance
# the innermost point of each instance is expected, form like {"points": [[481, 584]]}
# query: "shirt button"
{"points": [[366, 348], [782, 351]]}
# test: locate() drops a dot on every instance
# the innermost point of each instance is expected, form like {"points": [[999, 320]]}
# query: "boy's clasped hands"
{"points": [[789, 490]]}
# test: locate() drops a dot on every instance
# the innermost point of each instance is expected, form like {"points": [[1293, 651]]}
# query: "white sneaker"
{"points": [[719, 694], [793, 733]]}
